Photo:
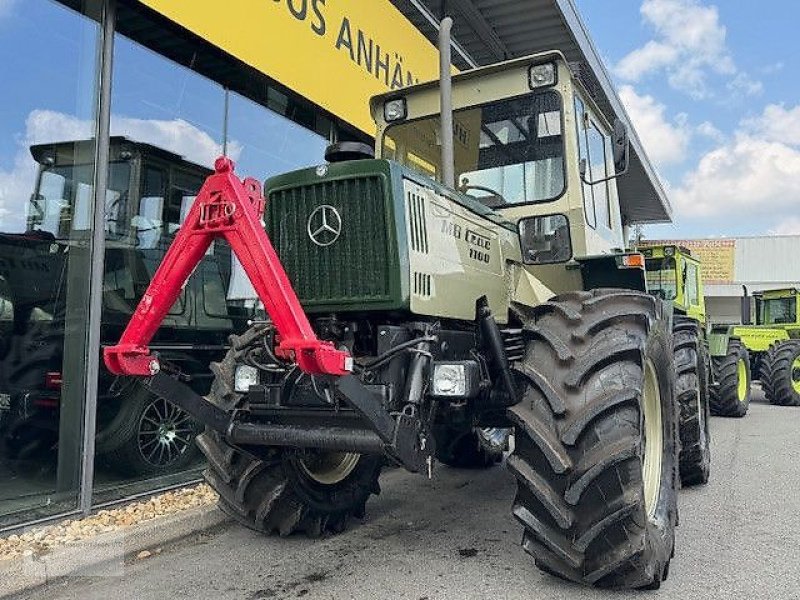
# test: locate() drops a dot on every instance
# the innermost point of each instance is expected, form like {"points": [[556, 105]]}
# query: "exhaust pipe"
{"points": [[446, 102], [746, 307]]}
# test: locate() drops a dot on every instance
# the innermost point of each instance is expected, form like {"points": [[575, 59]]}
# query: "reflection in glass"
{"points": [[45, 212]]}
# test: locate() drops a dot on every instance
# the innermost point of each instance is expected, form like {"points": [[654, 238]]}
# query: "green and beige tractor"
{"points": [[674, 275], [460, 285]]}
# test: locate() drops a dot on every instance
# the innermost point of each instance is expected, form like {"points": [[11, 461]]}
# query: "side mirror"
{"points": [[545, 239], [621, 146]]}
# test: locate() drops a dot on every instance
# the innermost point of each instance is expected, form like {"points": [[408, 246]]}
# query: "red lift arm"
{"points": [[230, 208]]}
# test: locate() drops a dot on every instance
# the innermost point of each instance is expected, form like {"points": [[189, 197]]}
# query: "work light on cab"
{"points": [[541, 76], [395, 110]]}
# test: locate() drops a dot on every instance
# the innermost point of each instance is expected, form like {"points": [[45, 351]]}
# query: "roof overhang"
{"points": [[489, 31]]}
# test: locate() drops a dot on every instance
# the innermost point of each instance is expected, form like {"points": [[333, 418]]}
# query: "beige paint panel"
{"points": [[462, 255]]}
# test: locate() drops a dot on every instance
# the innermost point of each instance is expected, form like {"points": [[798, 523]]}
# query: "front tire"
{"points": [[282, 490], [596, 439], [691, 393], [783, 374], [730, 395]]}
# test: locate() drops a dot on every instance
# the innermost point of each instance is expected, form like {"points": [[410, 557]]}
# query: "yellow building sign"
{"points": [[336, 53], [716, 257]]}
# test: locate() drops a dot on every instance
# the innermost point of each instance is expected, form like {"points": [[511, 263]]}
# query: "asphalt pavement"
{"points": [[454, 538]]}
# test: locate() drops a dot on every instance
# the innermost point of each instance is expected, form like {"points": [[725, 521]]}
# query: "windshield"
{"points": [[506, 153], [777, 310], [62, 204], [661, 277]]}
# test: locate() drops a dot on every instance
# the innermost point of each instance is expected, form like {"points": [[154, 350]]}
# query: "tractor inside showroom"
{"points": [[149, 189], [424, 304], [674, 275]]}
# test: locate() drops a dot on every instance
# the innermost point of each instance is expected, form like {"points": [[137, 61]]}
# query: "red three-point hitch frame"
{"points": [[230, 208]]}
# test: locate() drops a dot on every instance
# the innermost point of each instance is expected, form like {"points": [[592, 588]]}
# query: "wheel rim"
{"points": [[701, 420], [165, 432], [796, 375], [329, 468], [653, 440], [741, 372]]}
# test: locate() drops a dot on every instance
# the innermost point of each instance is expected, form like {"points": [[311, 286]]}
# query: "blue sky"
{"points": [[712, 88]]}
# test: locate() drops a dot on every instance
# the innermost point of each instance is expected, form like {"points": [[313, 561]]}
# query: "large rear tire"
{"points": [[596, 441], [782, 374], [691, 392], [282, 490], [730, 394]]}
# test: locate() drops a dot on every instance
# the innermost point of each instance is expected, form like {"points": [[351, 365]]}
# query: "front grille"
{"points": [[352, 270]]}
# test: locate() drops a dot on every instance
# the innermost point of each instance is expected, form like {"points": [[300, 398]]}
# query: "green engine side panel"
{"points": [[366, 267], [759, 339]]}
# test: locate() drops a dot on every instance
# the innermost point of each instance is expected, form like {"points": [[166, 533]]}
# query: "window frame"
{"points": [[561, 108]]}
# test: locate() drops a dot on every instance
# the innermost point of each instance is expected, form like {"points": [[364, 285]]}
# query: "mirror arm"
{"points": [[609, 178]]}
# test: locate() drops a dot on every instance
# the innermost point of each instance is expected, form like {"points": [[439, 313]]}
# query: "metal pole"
{"points": [[430, 18], [225, 124], [446, 102], [97, 253]]}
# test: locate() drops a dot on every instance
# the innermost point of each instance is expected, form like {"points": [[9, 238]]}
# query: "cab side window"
{"points": [[583, 154], [692, 285]]}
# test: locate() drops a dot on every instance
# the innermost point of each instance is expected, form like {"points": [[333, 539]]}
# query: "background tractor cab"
{"points": [[779, 307], [149, 192], [673, 274], [531, 149]]}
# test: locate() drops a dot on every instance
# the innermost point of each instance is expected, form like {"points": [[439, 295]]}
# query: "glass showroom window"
{"points": [[166, 131], [46, 191]]}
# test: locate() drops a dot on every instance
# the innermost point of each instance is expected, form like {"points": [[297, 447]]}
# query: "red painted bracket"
{"points": [[229, 208]]}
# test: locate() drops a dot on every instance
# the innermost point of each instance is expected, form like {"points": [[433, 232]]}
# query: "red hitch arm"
{"points": [[229, 208]]}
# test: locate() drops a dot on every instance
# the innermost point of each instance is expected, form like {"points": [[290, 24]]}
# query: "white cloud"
{"points": [[789, 226], [690, 42], [745, 178], [744, 84], [709, 130], [751, 177], [44, 126], [665, 142], [652, 56], [777, 124]]}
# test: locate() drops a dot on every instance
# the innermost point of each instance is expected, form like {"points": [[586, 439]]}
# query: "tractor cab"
{"points": [[529, 144], [777, 307], [673, 274]]}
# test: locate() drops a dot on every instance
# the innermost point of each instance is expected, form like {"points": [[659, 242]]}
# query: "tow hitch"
{"points": [[232, 209]]}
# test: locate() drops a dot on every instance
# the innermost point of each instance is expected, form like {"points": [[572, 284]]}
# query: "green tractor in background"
{"points": [[674, 275], [774, 343]]}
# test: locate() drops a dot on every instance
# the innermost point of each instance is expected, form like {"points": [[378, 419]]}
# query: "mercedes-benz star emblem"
{"points": [[324, 225]]}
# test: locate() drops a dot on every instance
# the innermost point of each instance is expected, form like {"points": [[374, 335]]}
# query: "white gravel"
{"points": [[42, 540]]}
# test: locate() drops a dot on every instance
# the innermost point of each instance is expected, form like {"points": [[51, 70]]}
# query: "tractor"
{"points": [[150, 188], [428, 298], [674, 275], [774, 344]]}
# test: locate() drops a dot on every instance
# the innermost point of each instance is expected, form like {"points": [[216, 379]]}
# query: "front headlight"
{"points": [[455, 379], [541, 76], [244, 377], [449, 380], [395, 110]]}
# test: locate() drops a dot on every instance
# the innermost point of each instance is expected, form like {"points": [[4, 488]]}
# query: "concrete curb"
{"points": [[104, 555]]}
